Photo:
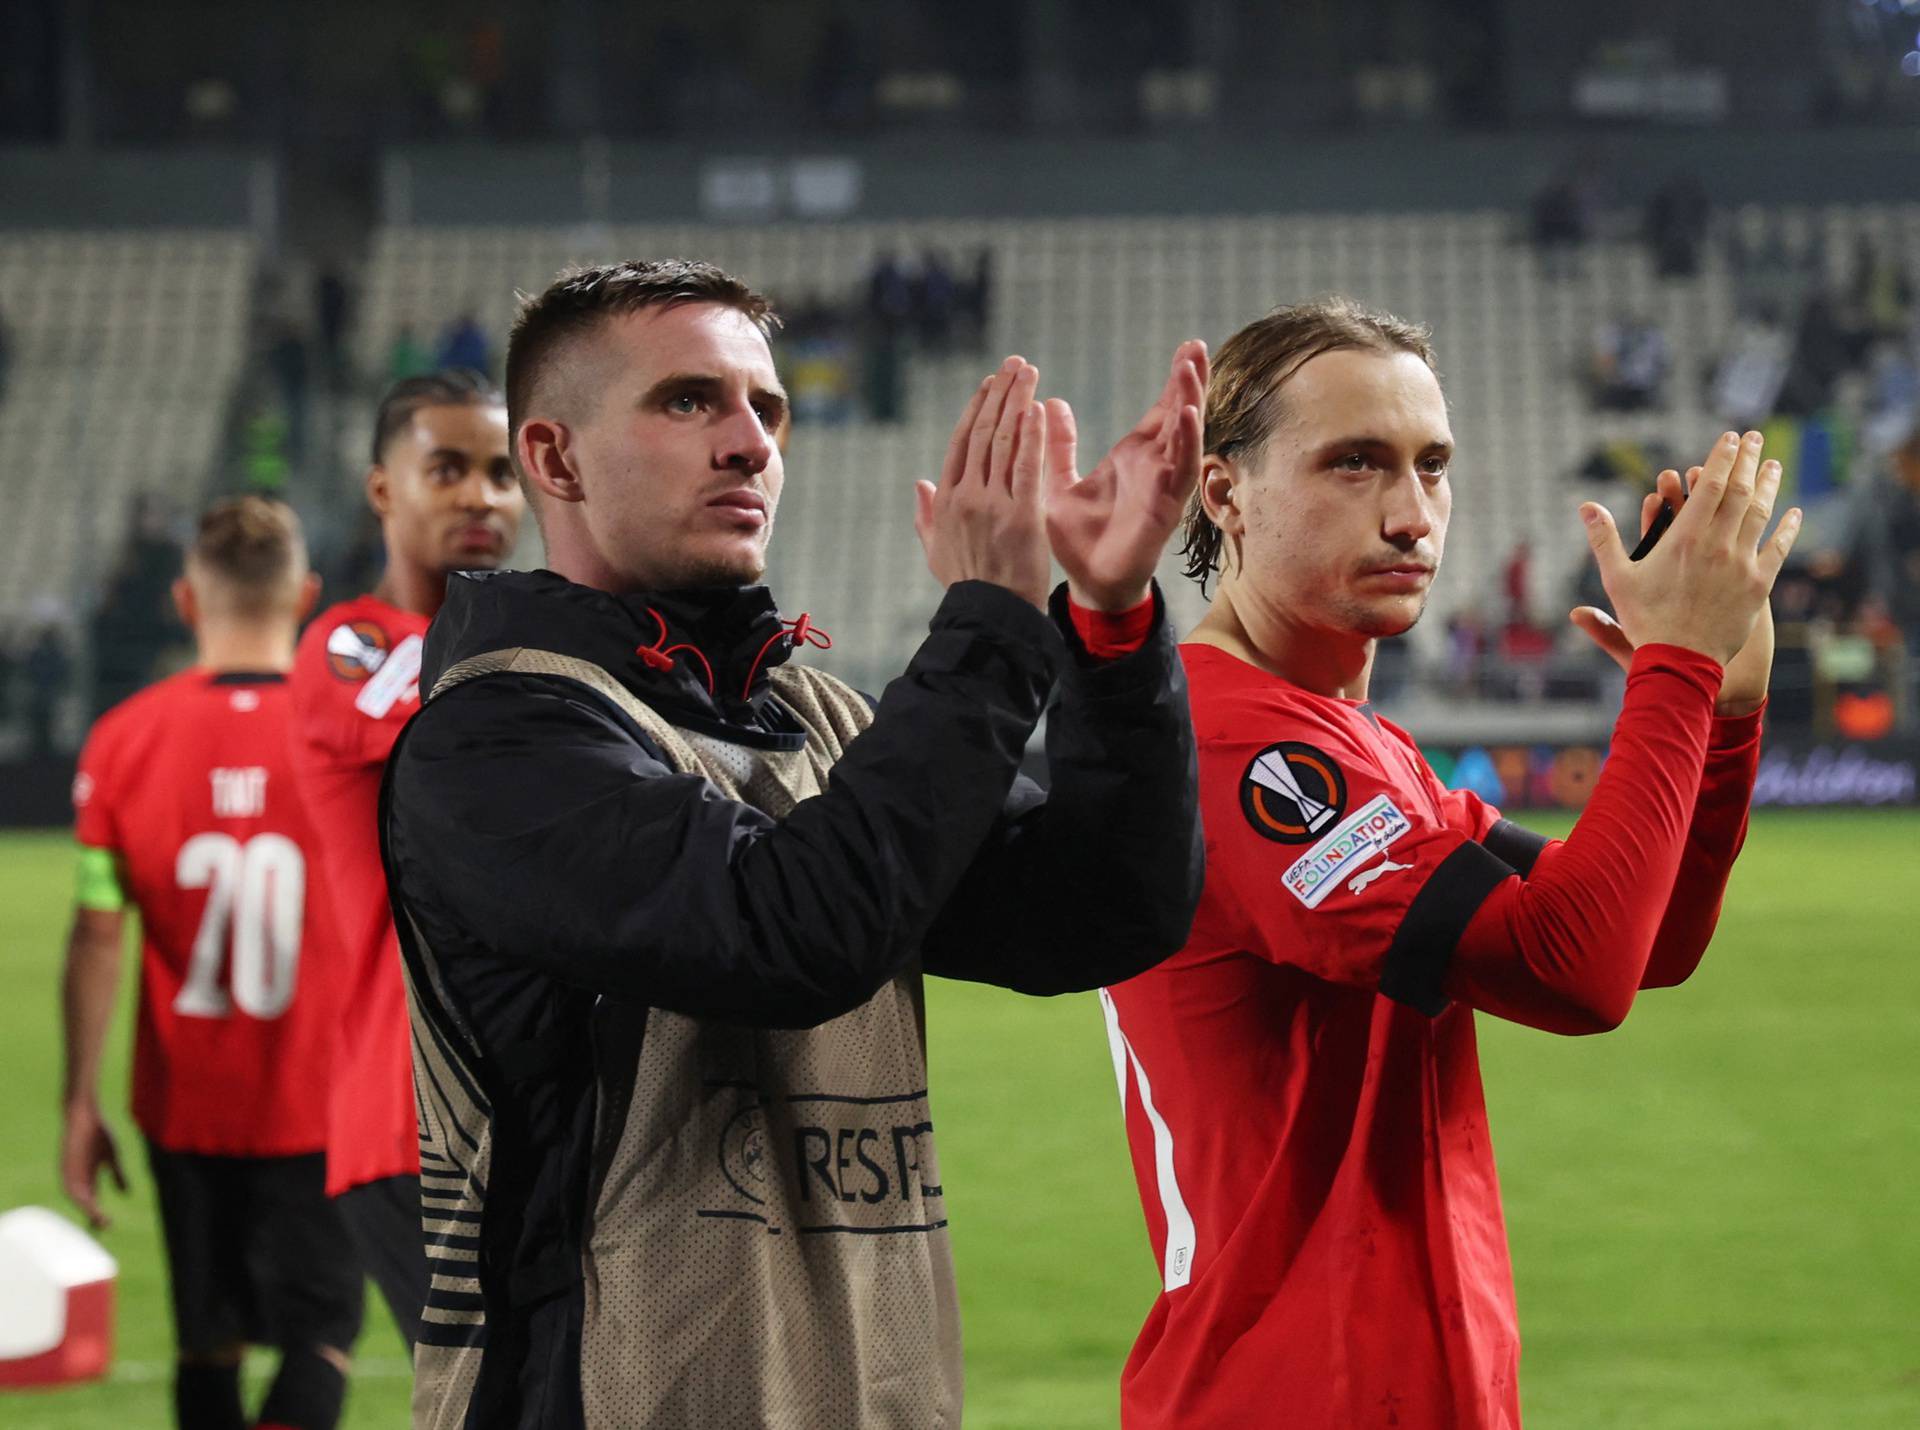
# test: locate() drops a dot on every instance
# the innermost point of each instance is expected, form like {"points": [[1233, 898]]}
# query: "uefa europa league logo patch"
{"points": [[1292, 793]]}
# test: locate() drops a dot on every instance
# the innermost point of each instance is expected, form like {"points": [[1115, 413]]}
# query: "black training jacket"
{"points": [[568, 880]]}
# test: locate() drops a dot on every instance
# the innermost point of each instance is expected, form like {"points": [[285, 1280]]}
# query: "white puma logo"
{"points": [[1366, 876]]}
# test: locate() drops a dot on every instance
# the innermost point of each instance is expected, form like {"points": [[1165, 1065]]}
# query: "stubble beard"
{"points": [[697, 572], [1369, 622]]}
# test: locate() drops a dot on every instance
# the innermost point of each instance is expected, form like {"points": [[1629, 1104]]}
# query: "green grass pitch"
{"points": [[1712, 1210]]}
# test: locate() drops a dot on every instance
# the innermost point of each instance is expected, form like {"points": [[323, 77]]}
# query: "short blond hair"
{"points": [[253, 550]]}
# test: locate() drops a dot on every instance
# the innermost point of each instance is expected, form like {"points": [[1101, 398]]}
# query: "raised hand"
{"points": [[1705, 586], [984, 521], [1108, 528], [1743, 686]]}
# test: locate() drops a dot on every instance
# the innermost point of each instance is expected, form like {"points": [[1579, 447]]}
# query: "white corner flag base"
{"points": [[56, 1301]]}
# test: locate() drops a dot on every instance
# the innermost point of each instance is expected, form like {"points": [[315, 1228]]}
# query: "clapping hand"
{"points": [[983, 521], [1109, 528], [1705, 585]]}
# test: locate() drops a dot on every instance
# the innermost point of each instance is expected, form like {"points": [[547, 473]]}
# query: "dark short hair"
{"points": [[252, 546], [580, 300], [450, 387], [1243, 406]]}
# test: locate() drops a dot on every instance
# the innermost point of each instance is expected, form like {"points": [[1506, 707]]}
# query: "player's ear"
{"points": [[309, 594], [545, 451], [185, 602], [379, 490], [1218, 496]]}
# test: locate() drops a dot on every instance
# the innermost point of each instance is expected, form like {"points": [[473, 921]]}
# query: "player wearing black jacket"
{"points": [[665, 901]]}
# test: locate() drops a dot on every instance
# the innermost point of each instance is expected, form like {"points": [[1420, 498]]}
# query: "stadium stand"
{"points": [[125, 348], [1098, 303]]}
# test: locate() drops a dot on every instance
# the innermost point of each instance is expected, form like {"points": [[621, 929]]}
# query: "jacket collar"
{"points": [[701, 656], [731, 638]]}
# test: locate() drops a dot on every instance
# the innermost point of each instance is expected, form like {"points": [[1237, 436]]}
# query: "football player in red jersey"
{"points": [[1300, 1085], [186, 813], [443, 486]]}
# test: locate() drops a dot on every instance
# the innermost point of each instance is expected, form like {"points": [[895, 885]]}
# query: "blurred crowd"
{"points": [[844, 354], [844, 357], [1827, 366], [1825, 360], [133, 636]]}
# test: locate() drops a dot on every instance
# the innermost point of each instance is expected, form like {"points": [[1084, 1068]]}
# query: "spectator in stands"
{"points": [[1516, 579], [1795, 596], [1770, 271], [1893, 393], [1524, 652], [1623, 459], [1880, 301], [464, 344], [1522, 647], [332, 308], [1746, 384], [135, 624], [1677, 221], [1883, 535], [407, 358], [1629, 365], [820, 362], [49, 670], [974, 301], [884, 346], [889, 292], [263, 451], [1562, 221], [287, 359], [1822, 351], [1466, 645], [884, 371], [935, 294]]}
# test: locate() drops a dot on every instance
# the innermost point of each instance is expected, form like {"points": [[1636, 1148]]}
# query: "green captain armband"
{"points": [[97, 883]]}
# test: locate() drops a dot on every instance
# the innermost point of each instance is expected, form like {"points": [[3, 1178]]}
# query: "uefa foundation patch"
{"points": [[397, 679], [1292, 792], [1364, 833]]}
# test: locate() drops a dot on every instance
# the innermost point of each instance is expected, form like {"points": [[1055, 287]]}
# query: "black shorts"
{"points": [[383, 1218], [256, 1252]]}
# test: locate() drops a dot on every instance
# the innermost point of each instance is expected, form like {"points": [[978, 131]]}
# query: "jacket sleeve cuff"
{"points": [[989, 618], [1112, 672], [1107, 635]]}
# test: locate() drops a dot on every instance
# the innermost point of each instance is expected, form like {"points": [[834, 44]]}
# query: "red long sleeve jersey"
{"points": [[355, 684], [188, 785], [1313, 1157]]}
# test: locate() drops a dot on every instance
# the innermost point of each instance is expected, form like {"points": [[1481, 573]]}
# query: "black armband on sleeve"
{"points": [[1511, 844], [1416, 963]]}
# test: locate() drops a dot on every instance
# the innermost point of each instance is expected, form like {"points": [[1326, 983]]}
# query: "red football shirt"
{"points": [[1308, 1151], [355, 684], [189, 786], [1313, 1156]]}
